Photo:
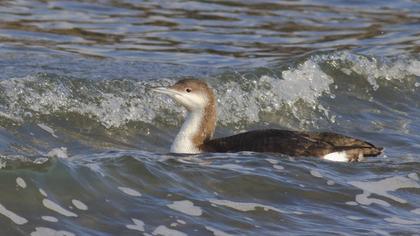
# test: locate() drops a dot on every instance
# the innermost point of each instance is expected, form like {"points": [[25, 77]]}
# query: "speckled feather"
{"points": [[292, 143]]}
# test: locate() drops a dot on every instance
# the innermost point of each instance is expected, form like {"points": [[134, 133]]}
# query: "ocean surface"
{"points": [[84, 143]]}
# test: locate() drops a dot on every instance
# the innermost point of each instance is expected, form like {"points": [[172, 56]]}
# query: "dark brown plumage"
{"points": [[293, 143], [196, 133]]}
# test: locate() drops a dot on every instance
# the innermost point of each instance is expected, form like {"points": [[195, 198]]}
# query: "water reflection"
{"points": [[209, 32]]}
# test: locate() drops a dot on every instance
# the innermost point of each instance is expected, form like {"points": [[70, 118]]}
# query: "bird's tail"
{"points": [[355, 154]]}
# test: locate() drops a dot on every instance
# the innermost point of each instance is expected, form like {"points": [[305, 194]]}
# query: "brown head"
{"points": [[197, 97]]}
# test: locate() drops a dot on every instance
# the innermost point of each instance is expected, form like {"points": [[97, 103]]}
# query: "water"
{"points": [[84, 144]]}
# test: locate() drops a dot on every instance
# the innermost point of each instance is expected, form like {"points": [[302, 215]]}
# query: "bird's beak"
{"points": [[165, 90]]}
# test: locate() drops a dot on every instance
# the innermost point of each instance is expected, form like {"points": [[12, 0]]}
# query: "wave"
{"points": [[295, 96]]}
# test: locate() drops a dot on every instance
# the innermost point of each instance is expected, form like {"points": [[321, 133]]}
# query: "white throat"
{"points": [[183, 142]]}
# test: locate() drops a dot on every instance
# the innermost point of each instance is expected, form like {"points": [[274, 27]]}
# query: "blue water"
{"points": [[84, 143]]}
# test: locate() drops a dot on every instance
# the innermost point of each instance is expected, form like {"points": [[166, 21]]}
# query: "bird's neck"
{"points": [[198, 128]]}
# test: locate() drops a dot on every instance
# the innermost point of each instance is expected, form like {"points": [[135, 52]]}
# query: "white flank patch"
{"points": [[129, 191], [217, 232], [165, 231], [44, 231], [138, 225], [48, 129], [79, 205], [49, 218], [57, 208], [12, 216], [336, 156], [243, 206], [20, 182], [58, 152], [186, 207]]}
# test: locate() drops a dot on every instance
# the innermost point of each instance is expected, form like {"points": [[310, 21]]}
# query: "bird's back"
{"points": [[293, 143]]}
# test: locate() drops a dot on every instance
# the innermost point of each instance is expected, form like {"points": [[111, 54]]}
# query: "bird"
{"points": [[196, 134]]}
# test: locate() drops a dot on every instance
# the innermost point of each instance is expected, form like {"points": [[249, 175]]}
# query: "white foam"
{"points": [[43, 193], [165, 231], [354, 218], [413, 176], [12, 216], [49, 218], [272, 161], [112, 110], [48, 129], [57, 208], [186, 207], [232, 167], [243, 206], [217, 232], [381, 232], [330, 182], [336, 156], [138, 225], [40, 160], [44, 231], [96, 168], [11, 117], [397, 220], [382, 187], [2, 164], [275, 163], [79, 205], [374, 70], [352, 203], [58, 152], [278, 167], [305, 82], [129, 191], [181, 222], [20, 182], [316, 173], [416, 211]]}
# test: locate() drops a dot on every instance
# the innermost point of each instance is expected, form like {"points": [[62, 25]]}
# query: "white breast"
{"points": [[183, 142]]}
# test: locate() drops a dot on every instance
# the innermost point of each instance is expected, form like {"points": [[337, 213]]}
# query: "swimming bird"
{"points": [[196, 133]]}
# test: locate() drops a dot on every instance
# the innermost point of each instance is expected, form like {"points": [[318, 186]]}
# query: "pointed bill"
{"points": [[165, 90]]}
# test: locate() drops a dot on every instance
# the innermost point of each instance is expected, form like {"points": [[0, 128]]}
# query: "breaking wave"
{"points": [[291, 95]]}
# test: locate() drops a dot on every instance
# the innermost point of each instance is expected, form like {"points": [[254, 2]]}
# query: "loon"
{"points": [[195, 135]]}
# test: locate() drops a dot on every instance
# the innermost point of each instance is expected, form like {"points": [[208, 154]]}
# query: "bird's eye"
{"points": [[188, 90]]}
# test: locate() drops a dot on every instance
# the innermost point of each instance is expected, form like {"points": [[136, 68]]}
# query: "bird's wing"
{"points": [[288, 142]]}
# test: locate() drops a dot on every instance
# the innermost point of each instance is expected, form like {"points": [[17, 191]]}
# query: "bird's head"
{"points": [[193, 94]]}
